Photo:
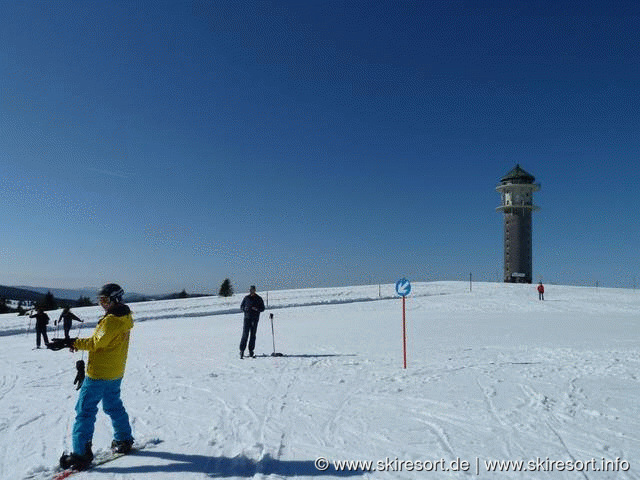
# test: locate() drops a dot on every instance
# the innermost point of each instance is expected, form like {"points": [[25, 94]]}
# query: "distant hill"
{"points": [[71, 296], [90, 292], [174, 296], [64, 293], [137, 297], [21, 294]]}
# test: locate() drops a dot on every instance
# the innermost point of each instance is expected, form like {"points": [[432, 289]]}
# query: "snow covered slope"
{"points": [[493, 375]]}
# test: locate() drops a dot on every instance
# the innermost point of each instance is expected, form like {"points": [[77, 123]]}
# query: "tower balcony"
{"points": [[532, 187], [508, 208]]}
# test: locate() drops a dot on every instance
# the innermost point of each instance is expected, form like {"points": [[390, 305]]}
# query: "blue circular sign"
{"points": [[403, 287]]}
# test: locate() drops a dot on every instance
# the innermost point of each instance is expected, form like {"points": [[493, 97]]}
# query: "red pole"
{"points": [[404, 332]]}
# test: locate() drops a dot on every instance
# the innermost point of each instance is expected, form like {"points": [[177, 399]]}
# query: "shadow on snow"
{"points": [[304, 355], [226, 467]]}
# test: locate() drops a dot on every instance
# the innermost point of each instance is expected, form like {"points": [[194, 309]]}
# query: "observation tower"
{"points": [[516, 190]]}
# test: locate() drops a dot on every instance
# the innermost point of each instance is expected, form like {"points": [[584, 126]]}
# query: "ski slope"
{"points": [[493, 375]]}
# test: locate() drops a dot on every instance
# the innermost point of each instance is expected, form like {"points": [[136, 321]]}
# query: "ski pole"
{"points": [[30, 317], [273, 335], [79, 332]]}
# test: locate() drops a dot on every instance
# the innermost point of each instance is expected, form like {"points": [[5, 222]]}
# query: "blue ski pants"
{"points": [[92, 392]]}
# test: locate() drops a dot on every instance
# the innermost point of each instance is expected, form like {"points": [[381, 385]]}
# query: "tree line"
{"points": [[49, 302]]}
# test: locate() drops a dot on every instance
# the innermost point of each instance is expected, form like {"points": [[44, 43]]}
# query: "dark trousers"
{"points": [[41, 331], [249, 332], [540, 296], [67, 328]]}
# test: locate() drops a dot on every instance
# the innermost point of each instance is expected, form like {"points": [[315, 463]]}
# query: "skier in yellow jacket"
{"points": [[108, 348]]}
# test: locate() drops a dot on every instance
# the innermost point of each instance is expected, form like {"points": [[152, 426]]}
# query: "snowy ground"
{"points": [[493, 374]]}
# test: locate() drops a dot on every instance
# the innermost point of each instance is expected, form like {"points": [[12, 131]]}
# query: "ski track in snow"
{"points": [[494, 374]]}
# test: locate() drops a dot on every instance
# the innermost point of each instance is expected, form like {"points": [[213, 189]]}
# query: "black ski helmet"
{"points": [[113, 291]]}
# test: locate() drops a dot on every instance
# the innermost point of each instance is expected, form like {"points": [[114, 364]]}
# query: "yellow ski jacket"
{"points": [[109, 345]]}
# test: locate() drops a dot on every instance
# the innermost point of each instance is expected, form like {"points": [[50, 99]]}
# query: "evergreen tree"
{"points": [[84, 302], [226, 289], [49, 302], [183, 294]]}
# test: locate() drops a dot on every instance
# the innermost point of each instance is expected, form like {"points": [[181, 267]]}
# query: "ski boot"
{"points": [[77, 461], [121, 446]]}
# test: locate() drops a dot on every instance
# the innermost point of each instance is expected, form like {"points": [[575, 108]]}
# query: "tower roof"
{"points": [[518, 175]]}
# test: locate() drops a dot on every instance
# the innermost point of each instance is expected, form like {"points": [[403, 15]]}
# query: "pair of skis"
{"points": [[101, 457]]}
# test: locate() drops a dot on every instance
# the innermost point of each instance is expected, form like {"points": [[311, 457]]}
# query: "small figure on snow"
{"points": [[42, 320], [67, 317], [540, 291], [251, 305], [108, 348]]}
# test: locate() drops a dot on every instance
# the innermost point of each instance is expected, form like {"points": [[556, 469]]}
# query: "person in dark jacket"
{"points": [[67, 317], [251, 305], [42, 320]]}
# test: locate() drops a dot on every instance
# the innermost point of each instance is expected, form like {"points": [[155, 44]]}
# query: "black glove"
{"points": [[60, 343], [80, 376]]}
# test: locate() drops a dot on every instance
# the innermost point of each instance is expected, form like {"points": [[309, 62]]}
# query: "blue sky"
{"points": [[169, 145]]}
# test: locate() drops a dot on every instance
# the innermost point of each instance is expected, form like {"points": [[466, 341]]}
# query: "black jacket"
{"points": [[252, 306], [42, 320], [68, 317]]}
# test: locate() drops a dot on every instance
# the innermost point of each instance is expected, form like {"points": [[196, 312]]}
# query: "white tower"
{"points": [[516, 189]]}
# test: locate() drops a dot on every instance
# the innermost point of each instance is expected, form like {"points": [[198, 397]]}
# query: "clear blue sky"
{"points": [[169, 145]]}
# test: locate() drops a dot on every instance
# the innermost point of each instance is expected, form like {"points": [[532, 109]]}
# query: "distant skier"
{"points": [[67, 317], [42, 320], [251, 305], [540, 291], [108, 348]]}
